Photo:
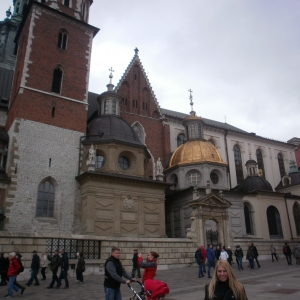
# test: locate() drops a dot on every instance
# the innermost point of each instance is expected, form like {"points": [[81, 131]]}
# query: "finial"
{"points": [[225, 118], [136, 50], [191, 98], [111, 75], [8, 12]]}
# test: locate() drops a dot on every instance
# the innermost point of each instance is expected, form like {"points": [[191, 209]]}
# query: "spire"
{"points": [[192, 113], [136, 50], [110, 86]]}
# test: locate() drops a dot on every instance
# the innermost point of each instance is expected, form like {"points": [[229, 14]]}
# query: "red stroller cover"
{"points": [[155, 289]]}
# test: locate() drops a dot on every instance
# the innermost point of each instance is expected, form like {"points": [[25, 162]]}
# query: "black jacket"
{"points": [[222, 292], [55, 263], [80, 268], [135, 260], [65, 261], [108, 280], [35, 263]]}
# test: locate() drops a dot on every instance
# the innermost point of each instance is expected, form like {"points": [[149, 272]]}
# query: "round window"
{"points": [[194, 178], [214, 178], [124, 162], [100, 161]]}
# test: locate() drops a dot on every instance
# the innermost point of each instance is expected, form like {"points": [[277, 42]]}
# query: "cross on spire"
{"points": [[136, 50], [110, 75], [191, 98]]}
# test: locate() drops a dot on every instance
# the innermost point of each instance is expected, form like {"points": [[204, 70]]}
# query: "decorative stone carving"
{"points": [[92, 159], [159, 167], [208, 188], [129, 203]]}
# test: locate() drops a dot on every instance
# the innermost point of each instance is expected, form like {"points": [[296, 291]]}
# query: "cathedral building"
{"points": [[86, 171]]}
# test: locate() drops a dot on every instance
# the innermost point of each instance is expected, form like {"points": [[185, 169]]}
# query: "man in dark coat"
{"points": [[35, 265], [218, 252], [135, 266], [199, 260], [287, 253], [4, 264], [114, 271], [64, 269], [255, 252], [55, 264]]}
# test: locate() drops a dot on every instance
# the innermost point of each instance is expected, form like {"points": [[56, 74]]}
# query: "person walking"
{"points": [[273, 252], [150, 265], [297, 254], [224, 285], [114, 271], [204, 259], [217, 252], [199, 260], [135, 266], [255, 252], [80, 267], [19, 258], [35, 265], [229, 252], [223, 255], [239, 255], [287, 253], [43, 265], [4, 264], [210, 254], [250, 256], [12, 273], [54, 265], [64, 269]]}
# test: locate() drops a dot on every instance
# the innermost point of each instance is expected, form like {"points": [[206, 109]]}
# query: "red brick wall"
{"points": [[45, 56]]}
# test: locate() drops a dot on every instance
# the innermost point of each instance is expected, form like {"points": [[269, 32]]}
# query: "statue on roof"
{"points": [[159, 167]]}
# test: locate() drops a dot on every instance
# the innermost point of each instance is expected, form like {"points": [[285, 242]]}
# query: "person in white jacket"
{"points": [[43, 264], [223, 255]]}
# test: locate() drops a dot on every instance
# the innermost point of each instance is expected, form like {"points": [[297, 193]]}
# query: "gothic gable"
{"points": [[212, 200]]}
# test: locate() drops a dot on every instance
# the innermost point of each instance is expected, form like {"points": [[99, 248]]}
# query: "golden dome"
{"points": [[196, 151]]}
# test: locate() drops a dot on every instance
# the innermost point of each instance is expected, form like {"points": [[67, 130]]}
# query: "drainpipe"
{"points": [[285, 196], [226, 149]]}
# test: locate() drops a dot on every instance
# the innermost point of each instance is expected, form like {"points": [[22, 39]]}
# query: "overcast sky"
{"points": [[240, 58]]}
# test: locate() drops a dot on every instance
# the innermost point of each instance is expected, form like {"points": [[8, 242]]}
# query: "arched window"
{"points": [[248, 218], [296, 213], [140, 131], [56, 81], [274, 222], [212, 142], [180, 139], [238, 164], [62, 39], [193, 133], [281, 165], [45, 201], [260, 163], [124, 162]]}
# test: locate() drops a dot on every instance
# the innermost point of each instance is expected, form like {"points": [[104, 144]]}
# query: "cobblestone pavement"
{"points": [[272, 281]]}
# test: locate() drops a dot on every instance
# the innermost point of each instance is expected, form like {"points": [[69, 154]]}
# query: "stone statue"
{"points": [[92, 155], [191, 232], [159, 167], [208, 188]]}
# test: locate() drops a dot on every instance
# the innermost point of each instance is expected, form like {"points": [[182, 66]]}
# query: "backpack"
{"points": [[21, 265]]}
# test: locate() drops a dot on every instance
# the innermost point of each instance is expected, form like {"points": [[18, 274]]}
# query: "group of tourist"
{"points": [[11, 266]]}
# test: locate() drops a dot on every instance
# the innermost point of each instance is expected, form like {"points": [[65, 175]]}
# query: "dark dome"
{"points": [[250, 161], [111, 128], [254, 183]]}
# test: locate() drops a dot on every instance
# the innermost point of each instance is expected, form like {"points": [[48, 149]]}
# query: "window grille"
{"points": [[91, 249]]}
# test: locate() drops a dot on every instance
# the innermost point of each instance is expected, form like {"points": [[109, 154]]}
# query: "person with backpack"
{"points": [[12, 273], [287, 253], [250, 257], [238, 253], [35, 266], [199, 260], [19, 259]]}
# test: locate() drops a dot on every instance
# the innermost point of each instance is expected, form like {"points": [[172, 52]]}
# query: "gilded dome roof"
{"points": [[196, 151]]}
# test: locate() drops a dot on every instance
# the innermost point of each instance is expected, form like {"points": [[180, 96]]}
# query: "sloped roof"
{"points": [[137, 60]]}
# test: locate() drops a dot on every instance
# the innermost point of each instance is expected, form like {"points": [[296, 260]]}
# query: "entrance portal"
{"points": [[211, 232]]}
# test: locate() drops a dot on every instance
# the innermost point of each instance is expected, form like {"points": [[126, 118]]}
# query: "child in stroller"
{"points": [[151, 290]]}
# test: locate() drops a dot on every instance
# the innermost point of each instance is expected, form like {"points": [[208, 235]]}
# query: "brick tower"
{"points": [[47, 115]]}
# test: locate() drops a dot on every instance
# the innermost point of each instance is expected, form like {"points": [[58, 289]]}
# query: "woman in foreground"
{"points": [[224, 285]]}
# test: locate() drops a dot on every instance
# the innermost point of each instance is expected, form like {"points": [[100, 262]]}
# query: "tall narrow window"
{"points": [[53, 112], [114, 107], [106, 102], [238, 164], [62, 39], [180, 139], [200, 131], [45, 201], [260, 163], [192, 127], [281, 165], [66, 2], [274, 222], [56, 82], [296, 213], [248, 219]]}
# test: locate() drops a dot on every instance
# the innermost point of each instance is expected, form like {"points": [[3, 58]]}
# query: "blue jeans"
{"points": [[209, 265], [112, 294], [240, 259], [200, 272], [33, 277], [251, 261], [11, 286]]}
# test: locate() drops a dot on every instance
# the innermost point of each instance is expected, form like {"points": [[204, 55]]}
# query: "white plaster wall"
{"points": [[36, 143]]}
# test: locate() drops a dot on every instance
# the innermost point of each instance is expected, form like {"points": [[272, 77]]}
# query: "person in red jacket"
{"points": [[12, 273], [204, 259], [150, 266]]}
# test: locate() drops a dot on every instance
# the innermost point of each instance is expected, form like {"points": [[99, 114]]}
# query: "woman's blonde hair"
{"points": [[236, 287]]}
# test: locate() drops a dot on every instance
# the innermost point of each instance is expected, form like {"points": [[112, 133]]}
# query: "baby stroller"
{"points": [[151, 290]]}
